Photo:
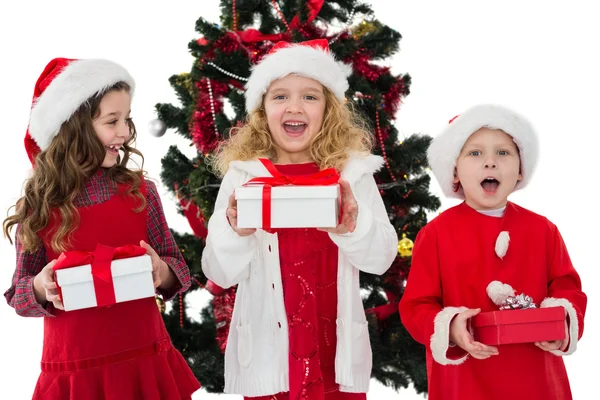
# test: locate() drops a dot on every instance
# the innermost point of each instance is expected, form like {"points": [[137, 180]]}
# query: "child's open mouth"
{"points": [[490, 185], [113, 149], [294, 128]]}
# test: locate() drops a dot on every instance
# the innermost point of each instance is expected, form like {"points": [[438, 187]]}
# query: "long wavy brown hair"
{"points": [[60, 173], [343, 132]]}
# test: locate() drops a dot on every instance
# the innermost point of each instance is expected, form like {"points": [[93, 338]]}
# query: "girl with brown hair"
{"points": [[82, 193]]}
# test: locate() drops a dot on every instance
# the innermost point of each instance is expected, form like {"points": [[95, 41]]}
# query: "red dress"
{"points": [[121, 352], [309, 260]]}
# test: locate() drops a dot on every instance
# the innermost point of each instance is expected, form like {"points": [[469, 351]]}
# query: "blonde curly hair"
{"points": [[343, 132]]}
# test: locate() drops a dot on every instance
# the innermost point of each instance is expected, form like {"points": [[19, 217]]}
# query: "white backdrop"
{"points": [[538, 59]]}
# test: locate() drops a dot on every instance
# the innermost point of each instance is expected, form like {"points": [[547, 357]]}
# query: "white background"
{"points": [[538, 58]]}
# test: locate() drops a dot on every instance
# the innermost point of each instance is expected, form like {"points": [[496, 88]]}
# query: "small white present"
{"points": [[290, 206], [95, 279]]}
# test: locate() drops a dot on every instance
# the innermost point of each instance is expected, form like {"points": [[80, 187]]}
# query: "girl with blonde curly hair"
{"points": [[299, 328]]}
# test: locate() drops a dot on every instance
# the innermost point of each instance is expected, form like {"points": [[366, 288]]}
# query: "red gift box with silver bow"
{"points": [[518, 320], [103, 277], [519, 326]]}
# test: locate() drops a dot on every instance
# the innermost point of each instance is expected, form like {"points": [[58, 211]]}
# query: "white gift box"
{"points": [[291, 206], [132, 280]]}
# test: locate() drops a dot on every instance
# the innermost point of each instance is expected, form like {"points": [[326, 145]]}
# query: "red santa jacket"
{"points": [[454, 259]]}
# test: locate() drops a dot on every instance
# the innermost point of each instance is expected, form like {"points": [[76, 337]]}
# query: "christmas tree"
{"points": [[212, 101]]}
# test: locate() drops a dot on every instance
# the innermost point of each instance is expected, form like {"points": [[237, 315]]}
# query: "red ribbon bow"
{"points": [[100, 259], [252, 35], [325, 177]]}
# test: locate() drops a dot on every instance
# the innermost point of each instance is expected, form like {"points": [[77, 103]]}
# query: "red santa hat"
{"points": [[445, 148], [64, 85], [311, 59]]}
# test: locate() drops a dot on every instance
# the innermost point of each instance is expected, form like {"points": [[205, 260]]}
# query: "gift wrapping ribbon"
{"points": [[100, 260], [325, 177]]}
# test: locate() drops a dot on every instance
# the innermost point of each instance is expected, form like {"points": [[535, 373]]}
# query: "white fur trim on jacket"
{"points": [[502, 242], [440, 340], [75, 84], [445, 148], [573, 323], [306, 61]]}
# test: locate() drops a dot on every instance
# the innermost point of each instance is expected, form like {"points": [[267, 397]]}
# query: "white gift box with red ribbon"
{"points": [[291, 206], [103, 277], [284, 201]]}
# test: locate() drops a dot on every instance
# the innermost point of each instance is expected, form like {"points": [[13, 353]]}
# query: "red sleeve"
{"points": [[20, 295], [421, 307], [564, 287], [164, 244]]}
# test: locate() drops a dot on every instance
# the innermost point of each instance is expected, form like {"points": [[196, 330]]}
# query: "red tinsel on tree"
{"points": [[361, 65], [225, 45], [193, 214], [203, 123], [392, 98], [394, 282]]}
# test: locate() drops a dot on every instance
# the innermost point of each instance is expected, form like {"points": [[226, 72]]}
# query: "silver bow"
{"points": [[518, 302]]}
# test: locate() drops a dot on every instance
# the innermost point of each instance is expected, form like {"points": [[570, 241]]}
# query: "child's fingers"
{"points": [[468, 344], [482, 351], [232, 212], [149, 250], [232, 201], [346, 190], [52, 297], [351, 211], [487, 349], [465, 315], [50, 285], [556, 344], [157, 281], [564, 345], [48, 272], [480, 355], [549, 346], [58, 304]]}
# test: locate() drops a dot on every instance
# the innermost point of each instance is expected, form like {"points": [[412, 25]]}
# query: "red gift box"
{"points": [[519, 326]]}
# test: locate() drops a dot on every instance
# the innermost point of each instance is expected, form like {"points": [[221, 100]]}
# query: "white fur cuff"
{"points": [[440, 340], [573, 323]]}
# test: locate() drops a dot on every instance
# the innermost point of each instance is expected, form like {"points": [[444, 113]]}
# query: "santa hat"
{"points": [[446, 147], [311, 59], [64, 85]]}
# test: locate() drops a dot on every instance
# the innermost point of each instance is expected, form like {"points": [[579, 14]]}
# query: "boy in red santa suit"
{"points": [[484, 155]]}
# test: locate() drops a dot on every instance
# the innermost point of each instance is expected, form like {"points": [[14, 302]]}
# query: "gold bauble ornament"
{"points": [[162, 307], [405, 246], [364, 28]]}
